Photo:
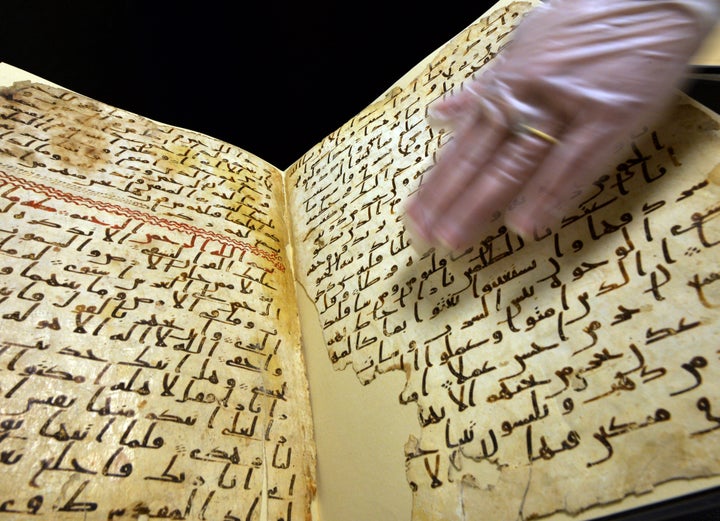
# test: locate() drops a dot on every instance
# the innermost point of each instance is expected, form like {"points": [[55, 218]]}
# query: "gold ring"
{"points": [[538, 133]]}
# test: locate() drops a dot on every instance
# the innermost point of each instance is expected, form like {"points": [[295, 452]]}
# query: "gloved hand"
{"points": [[537, 124]]}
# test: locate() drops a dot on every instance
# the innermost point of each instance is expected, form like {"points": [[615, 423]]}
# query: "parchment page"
{"points": [[150, 360], [709, 52], [575, 369]]}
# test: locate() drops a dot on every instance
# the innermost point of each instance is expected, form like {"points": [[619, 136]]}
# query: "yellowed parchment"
{"points": [[709, 52], [150, 356], [557, 375]]}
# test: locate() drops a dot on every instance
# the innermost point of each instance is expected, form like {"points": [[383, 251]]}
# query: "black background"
{"points": [[272, 77]]}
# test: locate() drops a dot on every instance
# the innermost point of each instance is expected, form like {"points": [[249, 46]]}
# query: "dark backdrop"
{"points": [[273, 77]]}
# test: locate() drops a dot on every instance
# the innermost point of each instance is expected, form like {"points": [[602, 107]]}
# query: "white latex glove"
{"points": [[587, 73]]}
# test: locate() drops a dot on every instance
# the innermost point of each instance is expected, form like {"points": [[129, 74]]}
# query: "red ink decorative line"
{"points": [[54, 193]]}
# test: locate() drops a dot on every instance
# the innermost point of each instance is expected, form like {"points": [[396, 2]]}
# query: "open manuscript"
{"points": [[151, 358]]}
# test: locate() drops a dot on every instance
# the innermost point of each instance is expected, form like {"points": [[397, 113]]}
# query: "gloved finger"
{"points": [[455, 169], [479, 115], [495, 185], [462, 108], [567, 172]]}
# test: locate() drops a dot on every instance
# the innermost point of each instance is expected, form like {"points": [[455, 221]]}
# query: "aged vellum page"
{"points": [[150, 360], [554, 374]]}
